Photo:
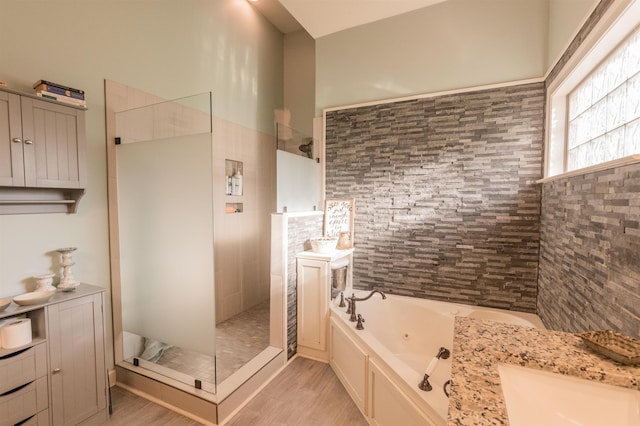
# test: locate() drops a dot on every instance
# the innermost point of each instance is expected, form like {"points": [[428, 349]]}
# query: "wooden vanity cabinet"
{"points": [[77, 361], [313, 297], [23, 386], [60, 377], [314, 292]]}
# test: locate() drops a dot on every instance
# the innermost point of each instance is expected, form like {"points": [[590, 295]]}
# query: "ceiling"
{"points": [[323, 17]]}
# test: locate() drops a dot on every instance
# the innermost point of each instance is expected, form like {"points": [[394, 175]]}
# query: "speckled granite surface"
{"points": [[479, 346]]}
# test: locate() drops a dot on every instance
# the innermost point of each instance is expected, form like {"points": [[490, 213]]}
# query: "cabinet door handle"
{"points": [[17, 140], [57, 370], [28, 141]]}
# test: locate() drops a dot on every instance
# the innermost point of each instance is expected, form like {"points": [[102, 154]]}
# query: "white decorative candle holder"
{"points": [[67, 283]]}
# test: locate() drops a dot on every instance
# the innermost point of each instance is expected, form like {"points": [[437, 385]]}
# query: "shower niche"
{"points": [[234, 186], [174, 310]]}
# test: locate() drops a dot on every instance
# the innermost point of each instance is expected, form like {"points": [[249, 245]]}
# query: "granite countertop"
{"points": [[480, 345]]}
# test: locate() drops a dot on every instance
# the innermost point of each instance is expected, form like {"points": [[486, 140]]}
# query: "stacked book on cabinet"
{"points": [[59, 92]]}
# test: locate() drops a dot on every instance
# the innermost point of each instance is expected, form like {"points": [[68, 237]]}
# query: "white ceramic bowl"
{"points": [[33, 298], [4, 303], [323, 244]]}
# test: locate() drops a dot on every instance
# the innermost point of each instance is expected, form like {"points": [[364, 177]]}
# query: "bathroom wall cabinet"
{"points": [[42, 154], [60, 377], [313, 297]]}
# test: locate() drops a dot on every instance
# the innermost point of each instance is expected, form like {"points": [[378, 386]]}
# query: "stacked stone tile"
{"points": [[446, 201]]}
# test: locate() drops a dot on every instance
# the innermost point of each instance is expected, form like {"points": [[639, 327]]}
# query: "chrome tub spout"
{"points": [[352, 303], [362, 299]]}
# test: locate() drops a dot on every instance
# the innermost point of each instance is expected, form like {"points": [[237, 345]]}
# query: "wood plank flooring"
{"points": [[305, 393], [131, 410]]}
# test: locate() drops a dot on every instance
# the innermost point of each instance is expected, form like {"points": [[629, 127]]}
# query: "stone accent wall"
{"points": [[299, 230], [589, 273], [590, 252], [446, 202]]}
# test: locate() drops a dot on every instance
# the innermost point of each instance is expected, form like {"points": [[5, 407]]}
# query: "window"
{"points": [[594, 103], [604, 110]]}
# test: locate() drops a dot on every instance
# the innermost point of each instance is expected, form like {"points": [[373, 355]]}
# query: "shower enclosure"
{"points": [[190, 258]]}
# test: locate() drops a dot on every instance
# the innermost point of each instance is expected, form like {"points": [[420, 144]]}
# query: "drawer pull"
{"points": [[14, 354], [17, 140], [16, 389], [24, 421], [28, 141], [56, 370]]}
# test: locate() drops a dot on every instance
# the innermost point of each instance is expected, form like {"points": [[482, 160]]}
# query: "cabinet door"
{"points": [[313, 298], [389, 406], [54, 144], [78, 374], [349, 361], [11, 156]]}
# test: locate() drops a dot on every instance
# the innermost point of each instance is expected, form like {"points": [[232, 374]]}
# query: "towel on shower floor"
{"points": [[153, 350]]}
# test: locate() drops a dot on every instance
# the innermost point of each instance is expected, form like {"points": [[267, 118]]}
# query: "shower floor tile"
{"points": [[238, 340]]}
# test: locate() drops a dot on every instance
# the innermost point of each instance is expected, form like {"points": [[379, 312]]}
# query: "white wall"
{"points": [[165, 47], [565, 19], [454, 44], [451, 45], [300, 77]]}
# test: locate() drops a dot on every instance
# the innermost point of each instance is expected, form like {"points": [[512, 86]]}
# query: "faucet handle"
{"points": [[359, 325], [351, 303]]}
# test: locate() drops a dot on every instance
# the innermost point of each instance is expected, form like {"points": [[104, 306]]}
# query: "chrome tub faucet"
{"points": [[351, 309]]}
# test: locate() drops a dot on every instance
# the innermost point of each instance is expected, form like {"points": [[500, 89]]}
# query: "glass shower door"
{"points": [[165, 213]]}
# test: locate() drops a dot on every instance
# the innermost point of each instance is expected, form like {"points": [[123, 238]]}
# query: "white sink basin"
{"points": [[535, 397]]}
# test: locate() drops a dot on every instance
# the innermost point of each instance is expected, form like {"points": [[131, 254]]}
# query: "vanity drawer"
{"points": [[40, 419], [23, 403], [22, 367]]}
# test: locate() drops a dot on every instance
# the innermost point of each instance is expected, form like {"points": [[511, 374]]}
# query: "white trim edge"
{"points": [[632, 159]]}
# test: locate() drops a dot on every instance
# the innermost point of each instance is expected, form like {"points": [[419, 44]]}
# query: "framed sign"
{"points": [[339, 220]]}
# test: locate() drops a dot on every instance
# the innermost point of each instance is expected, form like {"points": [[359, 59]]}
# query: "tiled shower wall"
{"points": [[446, 201], [590, 252]]}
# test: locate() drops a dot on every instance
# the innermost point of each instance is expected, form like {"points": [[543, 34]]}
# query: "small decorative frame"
{"points": [[339, 218]]}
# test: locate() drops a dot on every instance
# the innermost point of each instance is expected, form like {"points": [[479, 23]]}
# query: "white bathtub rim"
{"points": [[453, 308]]}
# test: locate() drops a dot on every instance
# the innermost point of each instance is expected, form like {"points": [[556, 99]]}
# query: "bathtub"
{"points": [[382, 365]]}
